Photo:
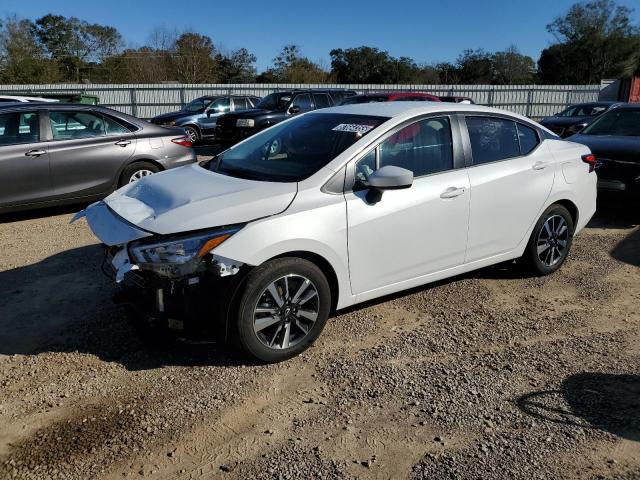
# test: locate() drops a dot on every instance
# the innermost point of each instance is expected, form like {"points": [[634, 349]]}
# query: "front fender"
{"points": [[321, 231]]}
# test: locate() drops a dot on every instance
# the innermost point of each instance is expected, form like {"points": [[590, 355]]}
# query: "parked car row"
{"points": [[232, 118]]}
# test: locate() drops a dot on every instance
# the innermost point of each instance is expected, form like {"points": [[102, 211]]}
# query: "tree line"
{"points": [[593, 40]]}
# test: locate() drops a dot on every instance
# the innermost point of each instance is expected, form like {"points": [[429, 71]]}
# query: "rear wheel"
{"points": [[136, 171], [550, 241], [283, 309]]}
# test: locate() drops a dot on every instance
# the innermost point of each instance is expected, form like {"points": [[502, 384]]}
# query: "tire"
{"points": [[135, 171], [549, 246], [193, 133], [301, 310]]}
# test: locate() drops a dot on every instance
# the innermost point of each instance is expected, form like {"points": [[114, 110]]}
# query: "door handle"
{"points": [[452, 192], [123, 143], [35, 153], [540, 165]]}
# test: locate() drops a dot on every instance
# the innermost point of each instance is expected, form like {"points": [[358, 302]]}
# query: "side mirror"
{"points": [[390, 177], [209, 112], [294, 109]]}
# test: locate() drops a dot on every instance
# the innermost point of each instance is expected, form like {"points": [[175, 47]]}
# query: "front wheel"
{"points": [[550, 241], [283, 309]]}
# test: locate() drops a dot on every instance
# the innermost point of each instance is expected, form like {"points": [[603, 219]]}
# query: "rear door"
{"points": [[87, 151], [24, 159], [511, 176]]}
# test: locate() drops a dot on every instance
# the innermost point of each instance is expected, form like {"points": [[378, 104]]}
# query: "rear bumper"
{"points": [[618, 176]]}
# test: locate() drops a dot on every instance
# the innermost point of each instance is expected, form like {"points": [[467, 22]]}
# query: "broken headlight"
{"points": [[177, 256]]}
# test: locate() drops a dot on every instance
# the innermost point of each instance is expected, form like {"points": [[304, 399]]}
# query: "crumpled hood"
{"points": [[193, 198]]}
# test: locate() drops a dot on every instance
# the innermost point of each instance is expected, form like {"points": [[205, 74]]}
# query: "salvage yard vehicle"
{"points": [[57, 153], [390, 97], [614, 138], [234, 127], [336, 207], [198, 117], [575, 117]]}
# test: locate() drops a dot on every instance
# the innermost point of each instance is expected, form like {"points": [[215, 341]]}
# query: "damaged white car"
{"points": [[337, 207]]}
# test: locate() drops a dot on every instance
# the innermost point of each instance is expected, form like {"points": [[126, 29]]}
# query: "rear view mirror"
{"points": [[294, 109], [390, 177]]}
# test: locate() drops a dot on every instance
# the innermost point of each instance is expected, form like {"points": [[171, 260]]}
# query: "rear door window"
{"points": [[492, 139], [19, 127], [321, 100], [303, 101], [70, 125], [240, 103]]}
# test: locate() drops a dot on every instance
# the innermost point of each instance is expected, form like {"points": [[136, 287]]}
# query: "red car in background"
{"points": [[391, 97]]}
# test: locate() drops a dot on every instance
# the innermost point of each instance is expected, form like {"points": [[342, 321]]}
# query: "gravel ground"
{"points": [[488, 375]]}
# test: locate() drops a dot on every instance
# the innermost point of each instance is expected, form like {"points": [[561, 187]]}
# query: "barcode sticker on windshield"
{"points": [[352, 127]]}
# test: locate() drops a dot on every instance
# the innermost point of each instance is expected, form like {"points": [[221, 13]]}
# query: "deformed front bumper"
{"points": [[194, 305]]}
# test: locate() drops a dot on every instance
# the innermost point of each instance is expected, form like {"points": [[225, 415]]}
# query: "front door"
{"points": [[24, 160], [207, 121], [412, 232]]}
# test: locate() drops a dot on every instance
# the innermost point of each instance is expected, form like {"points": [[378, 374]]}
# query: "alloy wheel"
{"points": [[553, 240], [286, 311], [138, 174], [192, 134]]}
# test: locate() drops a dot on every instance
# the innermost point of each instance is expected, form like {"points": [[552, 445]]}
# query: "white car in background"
{"points": [[23, 99], [337, 207]]}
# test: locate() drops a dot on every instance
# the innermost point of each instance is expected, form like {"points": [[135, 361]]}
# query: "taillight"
{"points": [[591, 160], [183, 141]]}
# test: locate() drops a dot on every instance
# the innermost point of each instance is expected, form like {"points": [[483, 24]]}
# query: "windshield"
{"points": [[275, 101], [364, 99], [624, 123], [198, 105], [294, 150]]}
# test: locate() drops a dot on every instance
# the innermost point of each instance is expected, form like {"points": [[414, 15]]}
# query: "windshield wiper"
{"points": [[239, 172]]}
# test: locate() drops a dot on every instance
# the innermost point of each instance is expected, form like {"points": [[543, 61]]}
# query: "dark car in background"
{"points": [[55, 153], [199, 117], [390, 97], [614, 139], [274, 108], [575, 117]]}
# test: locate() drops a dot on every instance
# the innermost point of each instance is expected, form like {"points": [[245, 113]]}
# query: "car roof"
{"points": [[397, 109], [628, 106], [602, 103]]}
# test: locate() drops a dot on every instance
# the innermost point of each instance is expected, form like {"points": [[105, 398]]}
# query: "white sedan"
{"points": [[336, 207]]}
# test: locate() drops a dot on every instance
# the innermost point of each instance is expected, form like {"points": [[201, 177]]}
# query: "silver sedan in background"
{"points": [[66, 153]]}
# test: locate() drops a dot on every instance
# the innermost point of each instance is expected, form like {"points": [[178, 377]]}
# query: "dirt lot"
{"points": [[489, 375]]}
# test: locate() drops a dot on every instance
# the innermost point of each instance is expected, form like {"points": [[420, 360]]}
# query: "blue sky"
{"points": [[427, 31]]}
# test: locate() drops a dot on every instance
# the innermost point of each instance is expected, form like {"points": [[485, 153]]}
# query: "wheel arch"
{"points": [[324, 265], [572, 207], [138, 160]]}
